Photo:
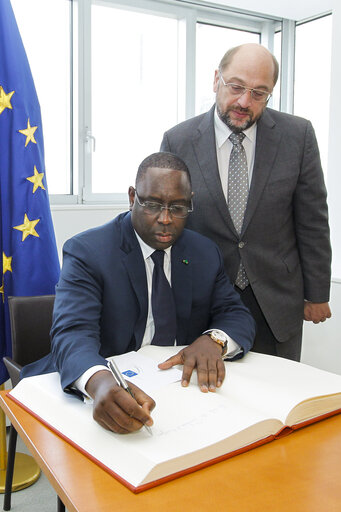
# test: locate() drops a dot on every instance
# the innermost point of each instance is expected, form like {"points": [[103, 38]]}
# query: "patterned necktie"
{"points": [[163, 305], [238, 191]]}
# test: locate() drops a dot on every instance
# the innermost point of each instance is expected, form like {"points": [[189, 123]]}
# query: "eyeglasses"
{"points": [[238, 90], [153, 208]]}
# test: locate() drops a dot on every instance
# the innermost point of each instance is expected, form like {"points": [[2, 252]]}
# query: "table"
{"points": [[300, 472]]}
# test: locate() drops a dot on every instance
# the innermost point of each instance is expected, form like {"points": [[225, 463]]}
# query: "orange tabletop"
{"points": [[297, 473]]}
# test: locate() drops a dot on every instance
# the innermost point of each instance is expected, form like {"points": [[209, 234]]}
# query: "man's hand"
{"points": [[316, 312], [114, 408], [204, 355]]}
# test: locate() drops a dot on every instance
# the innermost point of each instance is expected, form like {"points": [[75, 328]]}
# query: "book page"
{"points": [[186, 421], [190, 427], [272, 385]]}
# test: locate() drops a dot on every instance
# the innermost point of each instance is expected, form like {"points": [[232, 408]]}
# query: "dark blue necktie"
{"points": [[163, 305]]}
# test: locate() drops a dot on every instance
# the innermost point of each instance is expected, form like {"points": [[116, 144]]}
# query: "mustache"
{"points": [[241, 109]]}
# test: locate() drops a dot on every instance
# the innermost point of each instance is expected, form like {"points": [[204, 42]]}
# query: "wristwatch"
{"points": [[220, 338]]}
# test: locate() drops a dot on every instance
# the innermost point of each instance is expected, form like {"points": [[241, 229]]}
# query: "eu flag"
{"points": [[29, 255]]}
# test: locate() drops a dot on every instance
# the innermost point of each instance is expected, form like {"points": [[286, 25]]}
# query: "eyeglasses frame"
{"points": [[251, 89], [163, 207]]}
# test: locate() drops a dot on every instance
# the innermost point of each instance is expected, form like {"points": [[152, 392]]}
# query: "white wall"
{"points": [[69, 220], [334, 156], [322, 342]]}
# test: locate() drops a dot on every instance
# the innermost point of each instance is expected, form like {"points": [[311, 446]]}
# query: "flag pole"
{"points": [[26, 470]]}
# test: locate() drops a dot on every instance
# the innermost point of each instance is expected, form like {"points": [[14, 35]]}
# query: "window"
{"points": [[113, 75], [276, 96], [211, 44], [312, 70], [134, 74], [46, 40]]}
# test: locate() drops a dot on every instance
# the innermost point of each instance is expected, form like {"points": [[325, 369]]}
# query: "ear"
{"points": [[216, 80], [131, 195]]}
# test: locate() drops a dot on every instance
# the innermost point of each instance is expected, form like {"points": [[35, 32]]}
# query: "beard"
{"points": [[225, 117]]}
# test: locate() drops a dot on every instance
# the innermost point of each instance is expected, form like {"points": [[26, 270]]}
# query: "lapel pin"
{"points": [[185, 262]]}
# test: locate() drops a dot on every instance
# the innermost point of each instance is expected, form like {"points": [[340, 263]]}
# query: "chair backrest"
{"points": [[31, 320]]}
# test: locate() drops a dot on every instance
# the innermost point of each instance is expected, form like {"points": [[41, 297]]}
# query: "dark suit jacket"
{"points": [[101, 301], [284, 243]]}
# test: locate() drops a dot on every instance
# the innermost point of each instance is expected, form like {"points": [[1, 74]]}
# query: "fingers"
{"points": [[171, 361], [190, 362], [204, 355], [114, 408], [210, 375], [121, 413], [316, 312], [144, 400]]}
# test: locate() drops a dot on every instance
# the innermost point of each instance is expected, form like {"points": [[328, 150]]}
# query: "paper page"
{"points": [[144, 373], [185, 422], [188, 424], [269, 384]]}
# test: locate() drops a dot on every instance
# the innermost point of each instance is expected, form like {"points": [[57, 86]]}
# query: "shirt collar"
{"points": [[147, 250], [222, 131]]}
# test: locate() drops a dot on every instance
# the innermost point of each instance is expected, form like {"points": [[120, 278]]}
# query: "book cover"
{"points": [[263, 397]]}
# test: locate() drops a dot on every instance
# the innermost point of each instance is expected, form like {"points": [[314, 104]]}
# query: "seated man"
{"points": [[113, 297]]}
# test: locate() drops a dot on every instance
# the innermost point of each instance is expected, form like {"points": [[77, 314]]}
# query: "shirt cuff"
{"points": [[81, 382]]}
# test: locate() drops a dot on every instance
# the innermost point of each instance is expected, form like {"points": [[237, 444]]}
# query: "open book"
{"points": [[262, 398]]}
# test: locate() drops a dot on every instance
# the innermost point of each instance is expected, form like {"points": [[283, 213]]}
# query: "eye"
{"points": [[177, 208], [259, 95], [152, 206], [236, 88]]}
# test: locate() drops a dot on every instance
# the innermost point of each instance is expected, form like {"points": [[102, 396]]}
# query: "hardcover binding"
{"points": [[281, 433]]}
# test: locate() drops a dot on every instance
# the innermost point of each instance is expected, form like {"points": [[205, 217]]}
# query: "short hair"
{"points": [[162, 160], [227, 58]]}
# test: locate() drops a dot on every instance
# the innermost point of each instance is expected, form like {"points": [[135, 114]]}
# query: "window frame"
{"points": [[188, 14]]}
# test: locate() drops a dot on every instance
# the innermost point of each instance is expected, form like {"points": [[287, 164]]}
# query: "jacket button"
{"points": [[241, 245]]}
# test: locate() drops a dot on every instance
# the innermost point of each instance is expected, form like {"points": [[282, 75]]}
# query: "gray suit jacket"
{"points": [[284, 243]]}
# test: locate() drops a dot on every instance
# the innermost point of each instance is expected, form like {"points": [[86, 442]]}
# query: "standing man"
{"points": [[143, 279], [259, 194]]}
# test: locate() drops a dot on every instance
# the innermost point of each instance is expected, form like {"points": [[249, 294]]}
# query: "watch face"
{"points": [[219, 336]]}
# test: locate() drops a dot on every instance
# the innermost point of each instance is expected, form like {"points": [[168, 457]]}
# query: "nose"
{"points": [[165, 216], [245, 99]]}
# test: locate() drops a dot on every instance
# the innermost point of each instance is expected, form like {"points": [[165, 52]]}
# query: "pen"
{"points": [[123, 383]]}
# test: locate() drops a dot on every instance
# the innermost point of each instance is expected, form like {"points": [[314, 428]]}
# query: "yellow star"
{"points": [[28, 227], [29, 132], [37, 180], [5, 100], [6, 263], [2, 290]]}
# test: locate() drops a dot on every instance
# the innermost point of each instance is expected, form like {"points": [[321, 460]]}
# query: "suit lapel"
{"points": [[267, 144], [135, 266], [204, 146]]}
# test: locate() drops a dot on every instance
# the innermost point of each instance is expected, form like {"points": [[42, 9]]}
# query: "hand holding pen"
{"points": [[114, 408], [122, 382]]}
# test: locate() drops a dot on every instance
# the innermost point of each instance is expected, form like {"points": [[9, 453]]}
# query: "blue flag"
{"points": [[29, 258]]}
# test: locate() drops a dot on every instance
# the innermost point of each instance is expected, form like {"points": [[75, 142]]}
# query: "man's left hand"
{"points": [[204, 354], [316, 312]]}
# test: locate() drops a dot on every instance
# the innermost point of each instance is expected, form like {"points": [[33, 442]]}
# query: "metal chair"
{"points": [[31, 319]]}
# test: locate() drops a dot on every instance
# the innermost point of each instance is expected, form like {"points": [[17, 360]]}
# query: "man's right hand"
{"points": [[114, 408]]}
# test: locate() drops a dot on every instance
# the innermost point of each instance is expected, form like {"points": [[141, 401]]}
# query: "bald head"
{"points": [[253, 56]]}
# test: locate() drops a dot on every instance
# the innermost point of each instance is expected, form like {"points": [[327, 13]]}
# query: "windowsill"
{"points": [[80, 207]]}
